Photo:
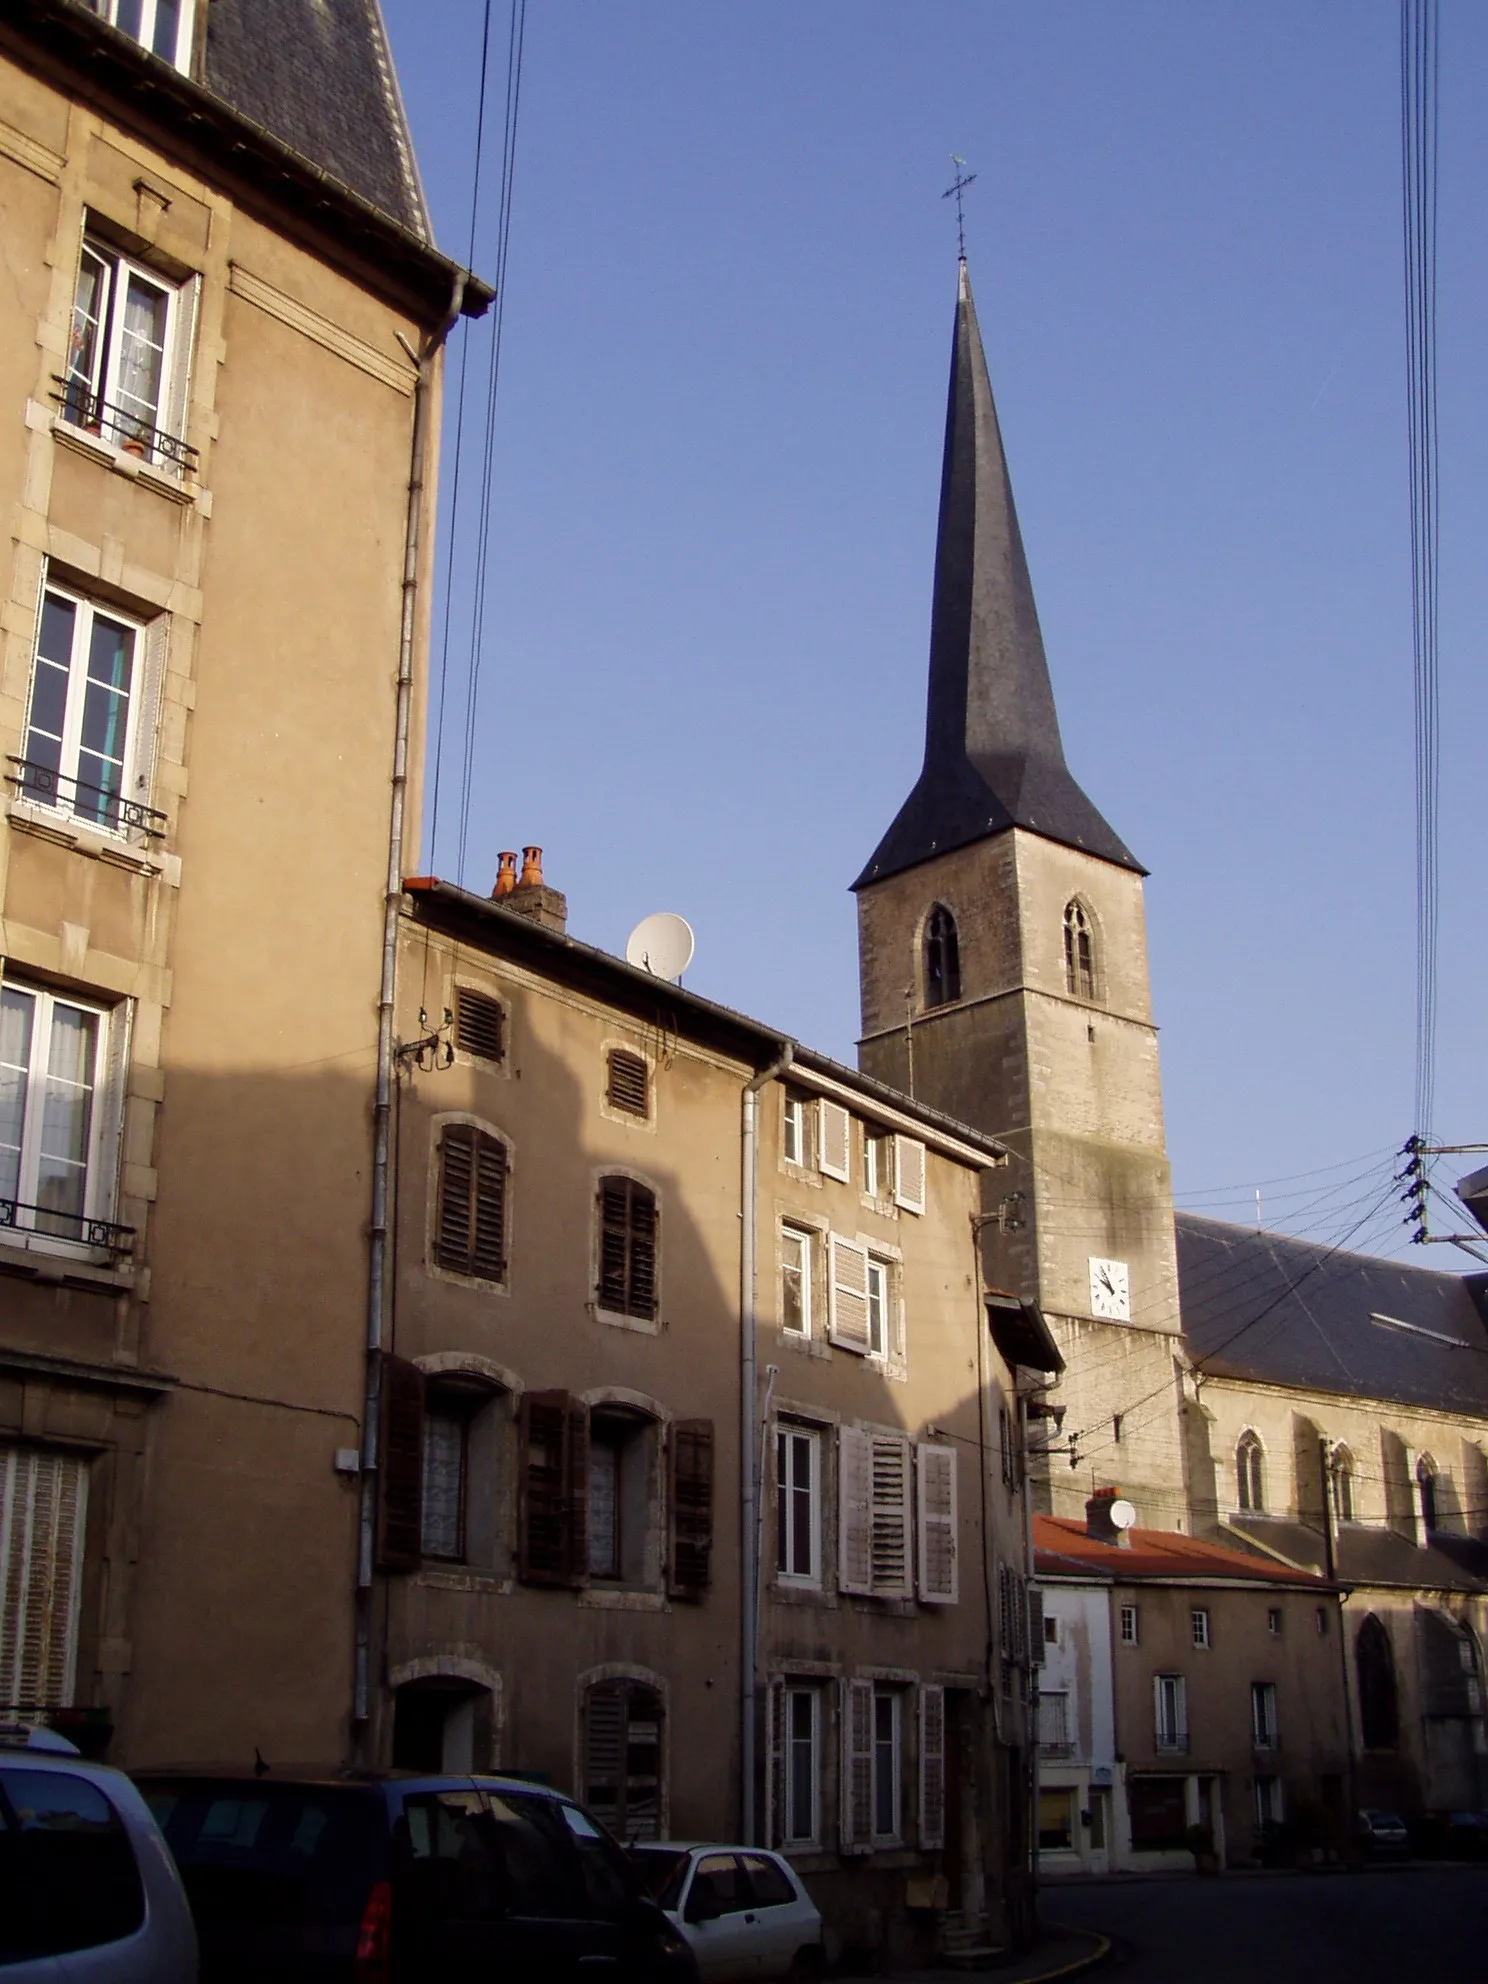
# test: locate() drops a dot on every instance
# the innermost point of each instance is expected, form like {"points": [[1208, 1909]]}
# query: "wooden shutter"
{"points": [[1035, 1627], [480, 1024], [628, 1240], [891, 1517], [552, 1526], [401, 1466], [855, 1812], [775, 1763], [112, 1093], [938, 1568], [43, 1520], [690, 1570], [834, 1140], [854, 1510], [932, 1767], [181, 333], [148, 711], [604, 1751], [847, 1266], [643, 1237], [628, 1086], [909, 1174], [471, 1236]]}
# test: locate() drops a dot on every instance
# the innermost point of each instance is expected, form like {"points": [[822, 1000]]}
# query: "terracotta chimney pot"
{"points": [[506, 876], [531, 876]]}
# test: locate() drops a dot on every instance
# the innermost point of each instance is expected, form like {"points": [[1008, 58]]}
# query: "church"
{"points": [[1324, 1411]]}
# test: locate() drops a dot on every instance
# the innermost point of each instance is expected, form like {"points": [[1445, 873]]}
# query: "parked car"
{"points": [[743, 1910], [88, 1890], [1383, 1834], [336, 1877]]}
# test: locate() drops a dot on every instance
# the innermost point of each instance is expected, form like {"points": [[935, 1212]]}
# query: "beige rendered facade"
{"points": [[210, 421], [569, 1589]]}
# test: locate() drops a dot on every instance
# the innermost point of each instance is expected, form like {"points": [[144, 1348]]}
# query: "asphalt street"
{"points": [[1378, 1927]]}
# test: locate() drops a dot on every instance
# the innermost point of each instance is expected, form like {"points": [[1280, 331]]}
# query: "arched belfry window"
{"points": [[942, 958], [1079, 951], [1379, 1714], [1426, 1482], [1250, 1479], [1343, 1485]]}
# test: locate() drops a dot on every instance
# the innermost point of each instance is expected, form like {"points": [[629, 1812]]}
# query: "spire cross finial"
{"points": [[962, 181]]}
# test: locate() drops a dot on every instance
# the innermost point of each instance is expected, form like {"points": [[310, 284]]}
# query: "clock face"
{"points": [[1110, 1290]]}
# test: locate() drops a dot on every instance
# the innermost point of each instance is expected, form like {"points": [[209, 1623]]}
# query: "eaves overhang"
{"points": [[85, 58]]}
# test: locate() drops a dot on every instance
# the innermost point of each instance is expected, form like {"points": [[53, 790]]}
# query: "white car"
{"points": [[742, 1909], [91, 1893]]}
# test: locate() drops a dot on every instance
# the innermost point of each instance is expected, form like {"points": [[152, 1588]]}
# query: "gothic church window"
{"points": [[1426, 1482], [1379, 1716], [1079, 951], [942, 958], [1250, 1480], [1343, 1485]]}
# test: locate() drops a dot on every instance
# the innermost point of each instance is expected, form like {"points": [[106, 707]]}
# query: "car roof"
{"points": [[697, 1846], [336, 1776]]}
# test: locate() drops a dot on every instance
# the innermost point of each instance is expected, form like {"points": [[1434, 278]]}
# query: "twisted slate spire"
{"points": [[993, 756]]}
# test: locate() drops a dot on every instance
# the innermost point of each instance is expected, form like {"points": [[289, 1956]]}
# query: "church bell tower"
{"points": [[1003, 974]]}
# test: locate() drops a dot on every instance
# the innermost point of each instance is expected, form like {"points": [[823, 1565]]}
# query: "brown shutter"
{"points": [[544, 1544], [614, 1236], [643, 1223], [692, 1508], [488, 1251], [604, 1751], [577, 1512], [480, 1024], [627, 1088], [471, 1236], [401, 1465]]}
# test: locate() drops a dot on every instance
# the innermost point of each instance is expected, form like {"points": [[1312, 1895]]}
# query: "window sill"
{"points": [[175, 488], [477, 1284], [640, 1324], [452, 1580], [44, 1259], [601, 1599], [66, 830], [804, 1346], [785, 1593], [885, 1208]]}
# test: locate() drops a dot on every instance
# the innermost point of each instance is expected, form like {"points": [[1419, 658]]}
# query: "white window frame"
{"points": [[149, 13], [895, 1698], [802, 1237], [36, 786], [790, 1836], [1264, 1726], [880, 1308], [99, 1180], [878, 1162], [795, 1130], [120, 429], [1199, 1627], [1269, 1803], [1129, 1617], [786, 1432], [1170, 1712]]}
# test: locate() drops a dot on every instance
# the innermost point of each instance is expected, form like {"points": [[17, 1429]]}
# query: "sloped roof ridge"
{"points": [[1324, 1249]]}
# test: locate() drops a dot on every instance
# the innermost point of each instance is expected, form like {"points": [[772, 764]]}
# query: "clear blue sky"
{"points": [[728, 322]]}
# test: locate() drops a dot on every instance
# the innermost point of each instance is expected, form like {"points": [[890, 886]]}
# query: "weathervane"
{"points": [[962, 181]]}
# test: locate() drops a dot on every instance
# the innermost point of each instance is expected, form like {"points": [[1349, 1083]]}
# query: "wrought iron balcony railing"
{"points": [[101, 1234], [82, 407], [94, 804]]}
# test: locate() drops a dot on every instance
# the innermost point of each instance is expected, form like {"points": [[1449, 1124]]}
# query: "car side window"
{"points": [[67, 1869], [768, 1880], [611, 1884], [451, 1871], [536, 1867], [718, 1885]]}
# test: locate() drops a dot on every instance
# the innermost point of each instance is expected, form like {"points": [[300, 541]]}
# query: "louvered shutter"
{"points": [[643, 1240], [173, 414], [149, 711], [471, 1237], [576, 1502], [547, 1550], [1035, 1627], [1005, 1642], [775, 1763], [628, 1241], [692, 1508], [834, 1140], [604, 1751], [909, 1174], [855, 1813], [400, 1471], [932, 1767], [848, 1272], [113, 1083], [628, 1085], [854, 1510], [43, 1521], [488, 1250], [480, 1024], [891, 1518], [938, 1568]]}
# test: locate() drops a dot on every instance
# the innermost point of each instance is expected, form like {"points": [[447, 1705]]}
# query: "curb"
{"points": [[1076, 1964]]}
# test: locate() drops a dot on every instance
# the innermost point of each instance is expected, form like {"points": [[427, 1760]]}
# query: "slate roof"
{"points": [[1279, 1311], [318, 75], [993, 754], [1061, 1548], [1365, 1554]]}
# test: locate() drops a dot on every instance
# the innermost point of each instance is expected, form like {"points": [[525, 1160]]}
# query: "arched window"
{"points": [[942, 958], [1250, 1480], [1426, 1482], [1343, 1485], [624, 1759], [1379, 1716], [1079, 951]]}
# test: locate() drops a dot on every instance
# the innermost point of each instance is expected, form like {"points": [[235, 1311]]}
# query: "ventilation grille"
{"points": [[480, 1025], [627, 1087]]}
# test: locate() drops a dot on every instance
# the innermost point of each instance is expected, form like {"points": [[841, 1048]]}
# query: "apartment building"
{"points": [[219, 377], [691, 1398]]}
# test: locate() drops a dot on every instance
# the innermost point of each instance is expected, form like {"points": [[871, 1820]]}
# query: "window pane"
{"points": [[17, 1018], [800, 1821], [604, 1510], [87, 326], [794, 1296], [49, 686], [67, 1871], [768, 1879], [885, 1803], [67, 1117], [105, 725], [877, 1304], [167, 28], [444, 1484], [141, 354], [129, 15], [801, 1491]]}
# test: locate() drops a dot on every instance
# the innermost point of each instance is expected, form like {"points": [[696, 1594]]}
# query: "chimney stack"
{"points": [[1098, 1524], [531, 896]]}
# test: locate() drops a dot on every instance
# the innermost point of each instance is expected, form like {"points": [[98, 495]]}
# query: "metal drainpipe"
{"points": [[361, 1700], [749, 1472]]}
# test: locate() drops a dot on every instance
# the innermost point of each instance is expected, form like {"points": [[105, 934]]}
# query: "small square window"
{"points": [[628, 1087], [1322, 1622], [1273, 1621], [480, 1024], [1051, 1629], [1128, 1625], [1200, 1618]]}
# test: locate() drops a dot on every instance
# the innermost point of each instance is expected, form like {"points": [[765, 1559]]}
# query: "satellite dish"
{"points": [[1123, 1514], [661, 944]]}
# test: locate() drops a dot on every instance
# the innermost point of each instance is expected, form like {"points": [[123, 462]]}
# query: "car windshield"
{"points": [[663, 1869], [254, 1852]]}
